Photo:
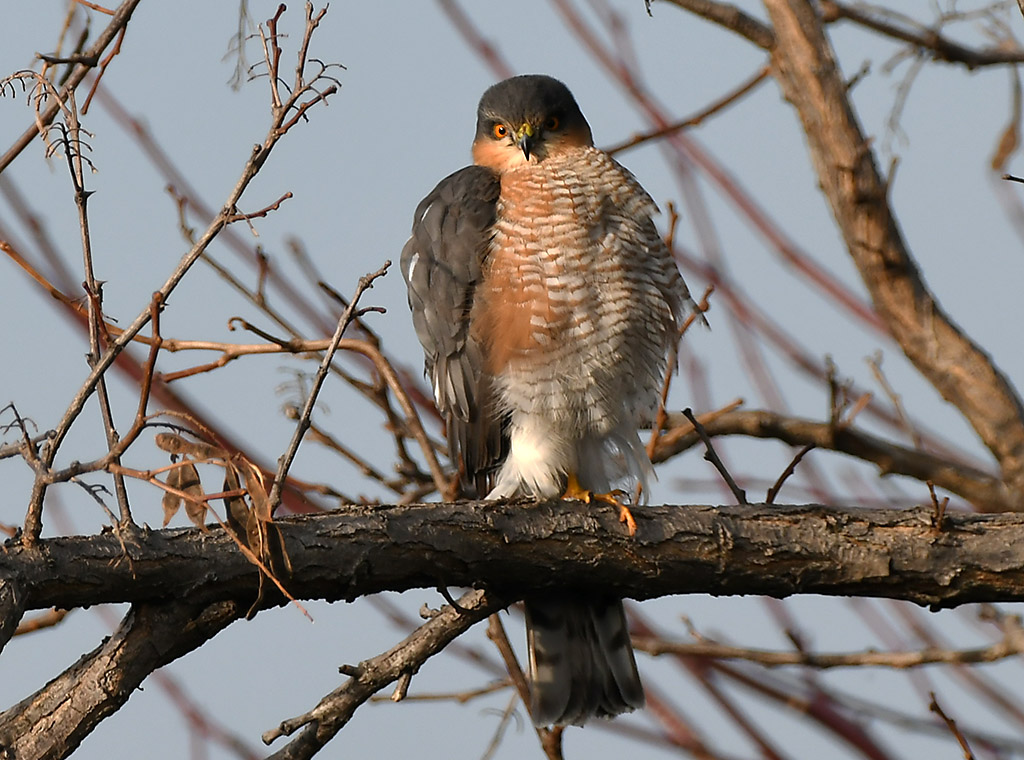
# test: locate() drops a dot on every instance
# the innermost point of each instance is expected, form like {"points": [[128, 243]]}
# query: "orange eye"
{"points": [[499, 131], [552, 123]]}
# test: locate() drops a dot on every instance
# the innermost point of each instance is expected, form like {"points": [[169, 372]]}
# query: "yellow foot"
{"points": [[573, 490]]}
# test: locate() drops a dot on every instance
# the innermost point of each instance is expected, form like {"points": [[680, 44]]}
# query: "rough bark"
{"points": [[52, 722], [805, 68], [516, 547]]}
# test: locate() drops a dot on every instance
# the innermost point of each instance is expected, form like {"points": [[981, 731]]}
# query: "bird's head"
{"points": [[527, 119]]}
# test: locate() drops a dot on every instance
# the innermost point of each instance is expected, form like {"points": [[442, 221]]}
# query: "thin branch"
{"points": [[939, 46], [951, 725], [285, 462], [698, 118], [43, 119], [323, 722], [984, 491], [732, 18], [712, 456], [1011, 645], [550, 738]]}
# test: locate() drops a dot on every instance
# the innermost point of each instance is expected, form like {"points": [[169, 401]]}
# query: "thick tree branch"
{"points": [[959, 369], [52, 722], [984, 491], [518, 547], [731, 17]]}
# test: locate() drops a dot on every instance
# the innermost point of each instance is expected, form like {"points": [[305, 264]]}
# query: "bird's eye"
{"points": [[499, 131], [552, 123]]}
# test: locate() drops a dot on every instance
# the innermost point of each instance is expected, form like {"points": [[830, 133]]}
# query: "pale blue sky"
{"points": [[403, 119]]}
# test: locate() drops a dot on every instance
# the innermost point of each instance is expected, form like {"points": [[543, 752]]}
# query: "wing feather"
{"points": [[442, 264]]}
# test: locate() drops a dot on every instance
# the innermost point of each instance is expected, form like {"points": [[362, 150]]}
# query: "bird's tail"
{"points": [[581, 660]]}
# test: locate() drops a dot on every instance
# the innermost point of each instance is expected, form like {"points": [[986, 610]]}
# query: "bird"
{"points": [[547, 303]]}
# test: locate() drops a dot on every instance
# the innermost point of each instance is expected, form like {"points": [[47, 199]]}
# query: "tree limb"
{"points": [[406, 657], [960, 370], [941, 47], [52, 722], [520, 547], [984, 491], [731, 17]]}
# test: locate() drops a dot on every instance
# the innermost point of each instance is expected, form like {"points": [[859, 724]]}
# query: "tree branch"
{"points": [[52, 722], [521, 547], [960, 370], [730, 17], [984, 491], [88, 60], [941, 47], [406, 657]]}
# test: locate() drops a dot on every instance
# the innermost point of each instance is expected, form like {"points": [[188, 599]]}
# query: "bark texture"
{"points": [[52, 722], [515, 547]]}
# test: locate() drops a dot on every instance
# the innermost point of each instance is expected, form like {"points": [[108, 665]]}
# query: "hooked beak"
{"points": [[527, 139]]}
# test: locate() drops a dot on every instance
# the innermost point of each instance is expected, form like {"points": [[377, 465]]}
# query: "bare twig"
{"points": [[711, 456], [335, 709], [696, 119], [1011, 645], [285, 462], [951, 725], [118, 22], [982, 489], [257, 159]]}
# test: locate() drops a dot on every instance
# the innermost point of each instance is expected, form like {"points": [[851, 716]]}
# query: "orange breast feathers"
{"points": [[535, 278]]}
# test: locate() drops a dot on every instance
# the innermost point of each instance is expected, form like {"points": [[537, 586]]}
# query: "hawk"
{"points": [[546, 303]]}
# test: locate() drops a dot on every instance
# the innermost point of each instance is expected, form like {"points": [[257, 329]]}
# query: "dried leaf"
{"points": [[171, 501], [238, 513], [195, 508], [258, 493], [185, 478], [173, 443]]}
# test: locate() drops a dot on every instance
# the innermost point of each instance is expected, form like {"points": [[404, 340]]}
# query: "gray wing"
{"points": [[441, 263]]}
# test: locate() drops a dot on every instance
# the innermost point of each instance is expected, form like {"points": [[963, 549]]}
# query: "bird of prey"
{"points": [[546, 303]]}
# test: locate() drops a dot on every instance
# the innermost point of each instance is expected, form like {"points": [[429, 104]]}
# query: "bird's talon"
{"points": [[574, 490], [625, 516]]}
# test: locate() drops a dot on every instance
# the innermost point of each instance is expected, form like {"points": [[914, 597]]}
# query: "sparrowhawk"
{"points": [[546, 303]]}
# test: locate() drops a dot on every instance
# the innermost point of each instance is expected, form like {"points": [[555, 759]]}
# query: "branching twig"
{"points": [[335, 709], [257, 159], [285, 462], [1011, 645], [44, 118]]}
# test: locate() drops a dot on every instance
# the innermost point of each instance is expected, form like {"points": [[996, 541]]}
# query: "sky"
{"points": [[404, 118]]}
